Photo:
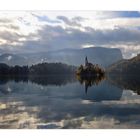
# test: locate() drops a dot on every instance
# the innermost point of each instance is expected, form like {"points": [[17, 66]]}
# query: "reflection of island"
{"points": [[90, 74], [130, 82], [89, 81]]}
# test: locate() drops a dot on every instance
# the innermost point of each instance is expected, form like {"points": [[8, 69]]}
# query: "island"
{"points": [[90, 70]]}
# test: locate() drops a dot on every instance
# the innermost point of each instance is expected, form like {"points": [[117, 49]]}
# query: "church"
{"points": [[90, 69], [87, 64]]}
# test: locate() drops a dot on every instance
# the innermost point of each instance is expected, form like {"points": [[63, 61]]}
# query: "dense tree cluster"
{"points": [[51, 68], [90, 70], [38, 69], [13, 70]]}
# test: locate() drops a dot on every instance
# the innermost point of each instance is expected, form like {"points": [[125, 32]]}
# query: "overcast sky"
{"points": [[44, 31]]}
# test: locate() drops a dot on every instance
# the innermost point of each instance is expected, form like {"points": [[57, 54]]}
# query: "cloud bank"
{"points": [[44, 31]]}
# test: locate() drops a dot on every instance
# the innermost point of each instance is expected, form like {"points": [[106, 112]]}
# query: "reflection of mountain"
{"points": [[99, 55], [125, 74], [130, 82]]}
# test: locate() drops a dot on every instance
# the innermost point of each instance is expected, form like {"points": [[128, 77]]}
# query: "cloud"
{"points": [[10, 37], [55, 38], [44, 18], [10, 26], [89, 36], [36, 31], [129, 14], [5, 20], [72, 22], [78, 19], [129, 51]]}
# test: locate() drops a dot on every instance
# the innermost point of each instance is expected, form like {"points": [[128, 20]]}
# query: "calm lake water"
{"points": [[68, 102]]}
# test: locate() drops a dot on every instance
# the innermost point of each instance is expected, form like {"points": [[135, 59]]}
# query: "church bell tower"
{"points": [[86, 61]]}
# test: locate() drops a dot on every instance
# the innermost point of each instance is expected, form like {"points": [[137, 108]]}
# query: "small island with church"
{"points": [[90, 70]]}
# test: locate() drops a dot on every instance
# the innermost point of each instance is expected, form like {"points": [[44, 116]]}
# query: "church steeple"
{"points": [[86, 61]]}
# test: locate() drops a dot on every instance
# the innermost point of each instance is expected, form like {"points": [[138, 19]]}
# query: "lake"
{"points": [[65, 101]]}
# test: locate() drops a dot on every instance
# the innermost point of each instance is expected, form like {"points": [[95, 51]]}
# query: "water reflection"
{"points": [[61, 102], [5, 79], [89, 81], [99, 89], [129, 82], [57, 80]]}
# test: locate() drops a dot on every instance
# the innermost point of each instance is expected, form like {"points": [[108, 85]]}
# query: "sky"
{"points": [[40, 31]]}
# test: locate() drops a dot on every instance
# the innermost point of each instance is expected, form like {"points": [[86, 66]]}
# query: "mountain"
{"points": [[13, 59], [125, 67], [96, 55]]}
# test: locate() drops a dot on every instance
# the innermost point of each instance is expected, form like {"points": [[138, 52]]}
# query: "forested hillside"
{"points": [[125, 67]]}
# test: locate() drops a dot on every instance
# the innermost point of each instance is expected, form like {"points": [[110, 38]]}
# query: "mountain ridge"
{"points": [[98, 55]]}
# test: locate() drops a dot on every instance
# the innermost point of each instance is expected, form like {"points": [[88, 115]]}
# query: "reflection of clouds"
{"points": [[2, 106], [91, 122], [16, 115], [30, 106], [86, 102], [129, 95], [56, 113], [5, 89], [41, 87], [9, 89], [94, 122], [123, 103], [120, 111]]}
